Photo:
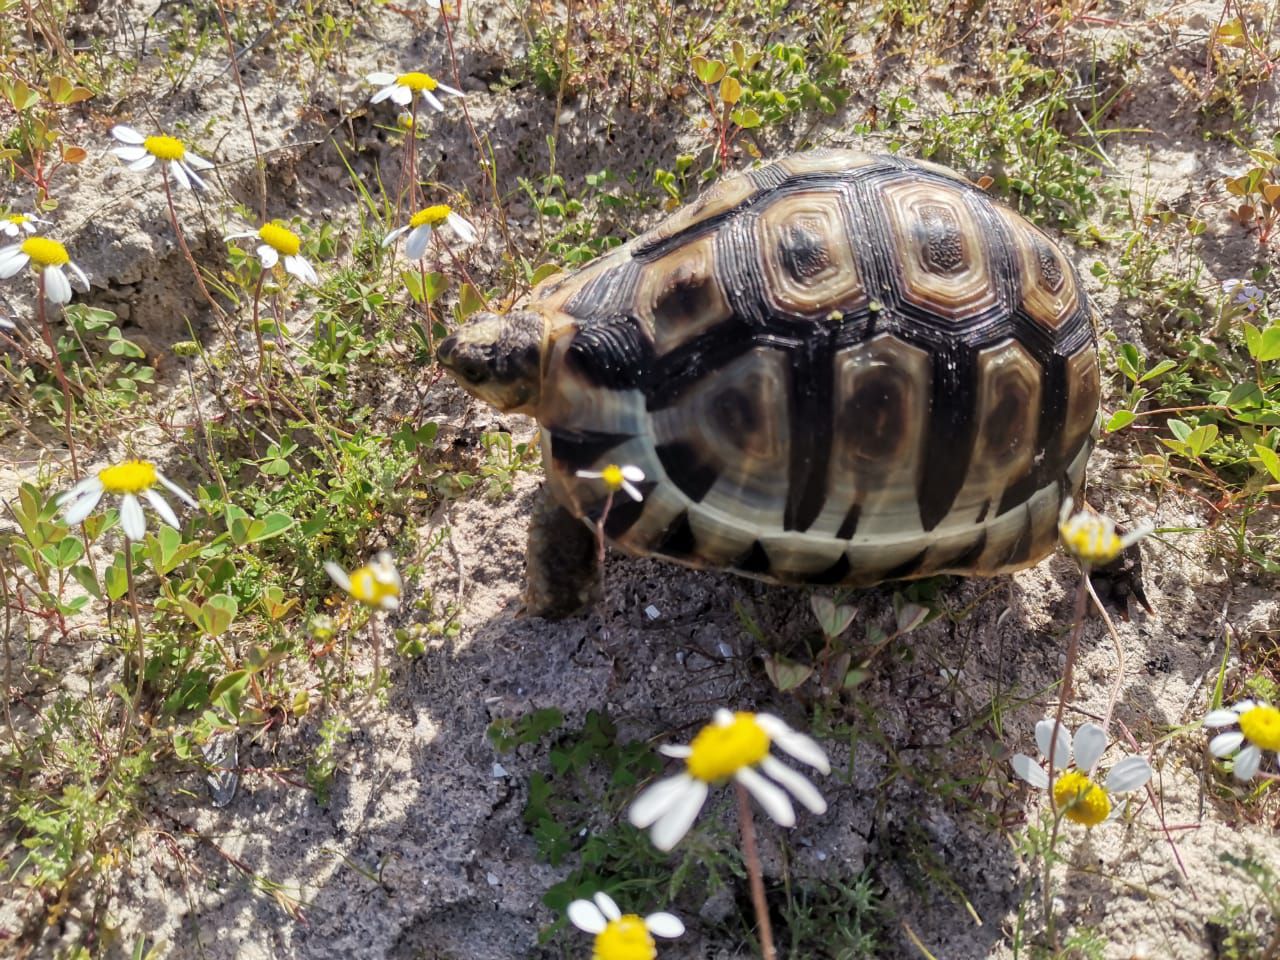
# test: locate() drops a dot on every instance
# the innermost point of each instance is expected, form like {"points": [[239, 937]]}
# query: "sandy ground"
{"points": [[420, 849]]}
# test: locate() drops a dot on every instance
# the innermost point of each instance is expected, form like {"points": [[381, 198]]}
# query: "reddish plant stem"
{"points": [[752, 856]]}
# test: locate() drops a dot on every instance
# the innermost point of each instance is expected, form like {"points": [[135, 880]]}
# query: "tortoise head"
{"points": [[498, 358]]}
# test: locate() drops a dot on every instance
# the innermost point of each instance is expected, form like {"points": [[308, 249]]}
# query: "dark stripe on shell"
{"points": [[678, 540], [836, 573], [575, 450], [756, 560], [966, 559], [849, 525], [952, 431], [907, 568], [812, 386], [612, 354], [686, 468]]}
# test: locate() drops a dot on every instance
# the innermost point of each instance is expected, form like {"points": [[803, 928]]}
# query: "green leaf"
{"points": [[1120, 419], [228, 693], [543, 271], [1129, 361], [84, 576], [746, 118], [708, 71], [1164, 366], [786, 674], [1201, 439], [115, 578], [833, 620], [1263, 345], [245, 529], [1269, 460]]}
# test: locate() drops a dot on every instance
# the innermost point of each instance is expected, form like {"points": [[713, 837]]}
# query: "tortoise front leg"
{"points": [[561, 566]]}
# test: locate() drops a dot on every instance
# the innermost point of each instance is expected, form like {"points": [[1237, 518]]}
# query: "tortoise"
{"points": [[839, 368]]}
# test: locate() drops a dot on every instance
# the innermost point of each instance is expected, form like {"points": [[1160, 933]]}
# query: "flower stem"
{"points": [[752, 856], [47, 332], [137, 626], [377, 656], [257, 326]]}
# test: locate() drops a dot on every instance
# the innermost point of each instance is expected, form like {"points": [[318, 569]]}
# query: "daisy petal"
{"points": [[56, 286], [586, 916], [435, 104], [629, 471], [179, 175], [126, 134], [401, 96], [391, 237], [656, 799], [1061, 749], [302, 269], [142, 163], [724, 717], [268, 255], [467, 234], [1131, 773], [804, 748], [83, 487], [771, 797], [196, 161], [192, 175], [675, 823], [1030, 771], [382, 94], [415, 248], [1090, 742], [607, 906], [664, 925], [161, 506], [797, 784], [448, 89], [177, 491], [80, 508], [129, 154], [1220, 718], [12, 260], [79, 275], [337, 575], [677, 751], [380, 79], [1247, 763], [1225, 744], [132, 522]]}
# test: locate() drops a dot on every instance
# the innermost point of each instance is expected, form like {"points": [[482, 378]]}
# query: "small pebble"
{"points": [[652, 612], [499, 771]]}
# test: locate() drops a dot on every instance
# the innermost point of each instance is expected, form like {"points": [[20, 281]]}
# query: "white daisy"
{"points": [[139, 153], [617, 478], [50, 258], [16, 224], [279, 241], [125, 480], [1091, 538], [376, 584], [400, 88], [621, 936], [733, 745], [425, 222], [1080, 798], [1259, 731]]}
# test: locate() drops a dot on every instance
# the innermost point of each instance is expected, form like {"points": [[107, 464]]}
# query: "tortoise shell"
{"points": [[837, 368]]}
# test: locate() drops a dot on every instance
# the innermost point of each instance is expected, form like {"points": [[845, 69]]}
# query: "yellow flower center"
{"points": [[432, 215], [1081, 800], [626, 938], [132, 476], [280, 238], [1261, 727], [720, 752], [45, 252], [18, 218], [368, 587], [417, 81], [165, 148], [1091, 538], [612, 476]]}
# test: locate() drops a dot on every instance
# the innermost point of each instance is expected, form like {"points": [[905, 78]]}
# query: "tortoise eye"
{"points": [[472, 371]]}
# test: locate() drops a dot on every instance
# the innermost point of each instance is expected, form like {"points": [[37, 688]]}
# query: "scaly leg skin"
{"points": [[561, 567]]}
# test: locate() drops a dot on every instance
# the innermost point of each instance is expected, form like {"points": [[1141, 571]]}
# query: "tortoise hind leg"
{"points": [[562, 569]]}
